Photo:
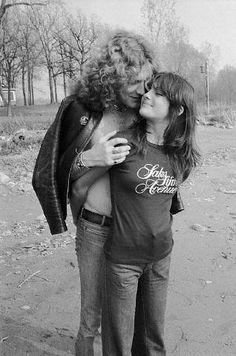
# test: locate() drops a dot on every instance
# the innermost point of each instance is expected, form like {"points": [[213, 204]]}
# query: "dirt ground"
{"points": [[39, 292]]}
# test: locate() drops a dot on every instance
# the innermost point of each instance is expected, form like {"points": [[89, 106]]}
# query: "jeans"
{"points": [[90, 239], [129, 325]]}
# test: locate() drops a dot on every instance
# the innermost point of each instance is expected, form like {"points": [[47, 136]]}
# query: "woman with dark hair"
{"points": [[162, 155], [178, 129]]}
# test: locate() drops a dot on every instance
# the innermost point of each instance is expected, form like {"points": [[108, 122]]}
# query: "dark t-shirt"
{"points": [[142, 188]]}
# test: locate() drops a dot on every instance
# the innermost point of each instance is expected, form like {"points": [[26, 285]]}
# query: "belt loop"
{"points": [[103, 220], [81, 211]]}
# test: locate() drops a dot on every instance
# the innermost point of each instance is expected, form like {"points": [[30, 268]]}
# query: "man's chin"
{"points": [[134, 104], [128, 106]]}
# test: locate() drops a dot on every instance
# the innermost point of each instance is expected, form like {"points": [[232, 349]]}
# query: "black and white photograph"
{"points": [[117, 177]]}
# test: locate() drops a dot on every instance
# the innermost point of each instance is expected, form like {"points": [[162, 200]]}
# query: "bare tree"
{"points": [[76, 41], [225, 85], [5, 5], [170, 38], [62, 50], [173, 50], [10, 56], [75, 37], [179, 56], [30, 54], [44, 22], [157, 14]]}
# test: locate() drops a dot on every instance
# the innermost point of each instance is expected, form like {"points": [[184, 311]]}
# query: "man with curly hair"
{"points": [[113, 83], [106, 100]]}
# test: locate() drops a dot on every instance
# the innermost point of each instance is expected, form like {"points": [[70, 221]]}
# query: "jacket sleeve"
{"points": [[78, 138], [45, 176], [77, 172]]}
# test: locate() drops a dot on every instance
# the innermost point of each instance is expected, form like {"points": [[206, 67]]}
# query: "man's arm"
{"points": [[102, 154]]}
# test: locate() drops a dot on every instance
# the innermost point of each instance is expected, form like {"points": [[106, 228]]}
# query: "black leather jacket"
{"points": [[69, 134]]}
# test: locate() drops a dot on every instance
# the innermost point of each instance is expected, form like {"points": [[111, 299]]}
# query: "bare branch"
{"points": [[4, 7]]}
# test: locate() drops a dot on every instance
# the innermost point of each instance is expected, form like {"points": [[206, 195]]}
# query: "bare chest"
{"points": [[110, 122]]}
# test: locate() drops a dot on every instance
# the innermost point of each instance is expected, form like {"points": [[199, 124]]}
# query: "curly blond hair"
{"points": [[118, 61]]}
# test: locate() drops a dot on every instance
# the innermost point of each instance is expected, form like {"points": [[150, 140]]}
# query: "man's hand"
{"points": [[106, 152]]}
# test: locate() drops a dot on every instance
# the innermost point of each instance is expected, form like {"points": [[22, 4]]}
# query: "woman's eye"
{"points": [[159, 92]]}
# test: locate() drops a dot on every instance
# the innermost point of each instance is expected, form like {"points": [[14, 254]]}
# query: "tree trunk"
{"points": [[63, 68], [55, 88], [1, 92], [51, 86], [70, 66], [3, 98], [9, 110], [64, 83], [32, 85], [29, 85], [23, 86]]}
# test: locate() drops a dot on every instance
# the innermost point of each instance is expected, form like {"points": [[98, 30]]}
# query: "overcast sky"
{"points": [[211, 21]]}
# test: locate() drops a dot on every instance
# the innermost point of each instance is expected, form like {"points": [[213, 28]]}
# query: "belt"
{"points": [[95, 218]]}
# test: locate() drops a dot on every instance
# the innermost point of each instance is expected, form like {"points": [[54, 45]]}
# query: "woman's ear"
{"points": [[181, 110]]}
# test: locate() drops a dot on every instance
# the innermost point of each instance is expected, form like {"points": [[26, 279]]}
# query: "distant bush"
{"points": [[10, 147], [220, 116], [21, 140]]}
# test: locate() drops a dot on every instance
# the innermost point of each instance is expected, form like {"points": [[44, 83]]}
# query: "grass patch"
{"points": [[8, 148], [38, 117], [220, 116]]}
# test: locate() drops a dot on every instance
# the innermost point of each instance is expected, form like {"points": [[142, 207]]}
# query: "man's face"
{"points": [[130, 94]]}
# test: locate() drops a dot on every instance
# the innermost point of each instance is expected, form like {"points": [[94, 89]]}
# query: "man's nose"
{"points": [[141, 88]]}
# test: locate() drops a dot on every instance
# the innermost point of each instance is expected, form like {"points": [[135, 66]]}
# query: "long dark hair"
{"points": [[179, 136]]}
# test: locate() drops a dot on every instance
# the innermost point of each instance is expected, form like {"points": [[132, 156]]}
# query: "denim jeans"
{"points": [[129, 325], [90, 239]]}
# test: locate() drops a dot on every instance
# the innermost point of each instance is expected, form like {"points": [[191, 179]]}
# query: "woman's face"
{"points": [[154, 107]]}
